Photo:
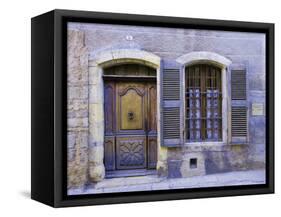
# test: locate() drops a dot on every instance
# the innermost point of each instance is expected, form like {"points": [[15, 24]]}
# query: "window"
{"points": [[203, 103]]}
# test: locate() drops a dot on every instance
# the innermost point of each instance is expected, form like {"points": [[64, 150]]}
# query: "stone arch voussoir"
{"points": [[204, 56]]}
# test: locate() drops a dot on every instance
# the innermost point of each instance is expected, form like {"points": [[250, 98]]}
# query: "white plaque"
{"points": [[257, 109], [129, 37]]}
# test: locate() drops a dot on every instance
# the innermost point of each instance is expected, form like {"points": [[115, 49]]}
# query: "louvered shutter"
{"points": [[171, 109], [239, 105]]}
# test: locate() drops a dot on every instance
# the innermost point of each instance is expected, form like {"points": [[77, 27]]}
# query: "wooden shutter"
{"points": [[239, 105], [171, 104], [238, 85]]}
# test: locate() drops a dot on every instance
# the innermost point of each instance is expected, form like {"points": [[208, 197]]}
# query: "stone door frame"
{"points": [[97, 62]]}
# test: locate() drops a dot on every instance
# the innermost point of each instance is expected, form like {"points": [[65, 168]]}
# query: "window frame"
{"points": [[226, 106], [211, 58], [203, 99]]}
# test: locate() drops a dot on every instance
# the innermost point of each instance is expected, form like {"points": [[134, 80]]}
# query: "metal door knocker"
{"points": [[131, 116]]}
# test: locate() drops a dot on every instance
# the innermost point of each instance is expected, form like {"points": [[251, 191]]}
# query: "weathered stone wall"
{"points": [[170, 43], [77, 109]]}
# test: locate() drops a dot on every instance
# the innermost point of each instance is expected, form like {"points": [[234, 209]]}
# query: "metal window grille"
{"points": [[203, 103]]}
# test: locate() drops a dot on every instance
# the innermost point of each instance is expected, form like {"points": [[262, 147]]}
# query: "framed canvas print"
{"points": [[131, 108]]}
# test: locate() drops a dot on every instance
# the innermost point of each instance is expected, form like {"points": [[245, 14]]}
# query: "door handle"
{"points": [[131, 116]]}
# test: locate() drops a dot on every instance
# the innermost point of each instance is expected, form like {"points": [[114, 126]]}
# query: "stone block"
{"points": [[77, 108], [162, 168], [238, 157], [96, 133], [71, 140], [77, 78], [71, 153], [96, 93], [77, 69], [78, 154], [257, 130], [83, 155], [95, 75], [77, 92], [77, 61], [257, 156], [174, 153], [162, 153], [96, 113], [174, 168], [76, 174], [96, 172], [256, 81], [75, 39], [77, 138], [193, 164], [216, 162], [77, 122], [77, 147], [96, 154], [226, 46], [256, 64]]}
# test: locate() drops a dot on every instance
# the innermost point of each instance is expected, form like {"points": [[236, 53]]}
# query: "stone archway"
{"points": [[97, 61], [223, 63], [201, 56]]}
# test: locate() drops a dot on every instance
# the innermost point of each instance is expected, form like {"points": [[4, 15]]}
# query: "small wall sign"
{"points": [[257, 109]]}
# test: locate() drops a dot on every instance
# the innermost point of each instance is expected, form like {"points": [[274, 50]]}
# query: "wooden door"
{"points": [[130, 125]]}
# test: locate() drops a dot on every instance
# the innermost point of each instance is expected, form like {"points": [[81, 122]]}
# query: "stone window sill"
{"points": [[205, 146]]}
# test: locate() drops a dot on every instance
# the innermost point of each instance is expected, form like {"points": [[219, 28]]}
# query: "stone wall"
{"points": [[77, 109], [167, 43]]}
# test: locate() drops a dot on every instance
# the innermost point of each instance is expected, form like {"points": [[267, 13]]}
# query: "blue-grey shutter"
{"points": [[171, 104], [239, 105]]}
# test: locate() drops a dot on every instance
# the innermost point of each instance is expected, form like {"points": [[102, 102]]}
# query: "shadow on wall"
{"points": [[25, 194]]}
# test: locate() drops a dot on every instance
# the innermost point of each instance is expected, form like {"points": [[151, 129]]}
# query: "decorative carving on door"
{"points": [[131, 106], [131, 153], [109, 102]]}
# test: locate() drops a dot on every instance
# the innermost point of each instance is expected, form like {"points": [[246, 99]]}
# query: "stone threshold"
{"points": [[153, 182]]}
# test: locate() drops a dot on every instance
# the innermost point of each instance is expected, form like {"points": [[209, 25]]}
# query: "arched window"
{"points": [[203, 103]]}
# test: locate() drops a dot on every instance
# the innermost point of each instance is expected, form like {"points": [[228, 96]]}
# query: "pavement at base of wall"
{"points": [[152, 182]]}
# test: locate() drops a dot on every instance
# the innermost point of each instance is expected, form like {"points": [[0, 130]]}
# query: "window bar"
{"points": [[212, 102], [219, 104], [193, 104], [188, 103], [207, 74], [216, 106], [204, 115]]}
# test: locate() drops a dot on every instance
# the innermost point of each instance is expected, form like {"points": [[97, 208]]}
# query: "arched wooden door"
{"points": [[130, 125]]}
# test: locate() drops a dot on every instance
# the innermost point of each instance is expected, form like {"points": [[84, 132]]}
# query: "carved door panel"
{"points": [[151, 125], [109, 121], [131, 108], [131, 134], [130, 125], [131, 152]]}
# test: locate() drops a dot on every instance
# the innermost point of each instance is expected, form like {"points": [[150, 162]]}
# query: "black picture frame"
{"points": [[48, 69]]}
